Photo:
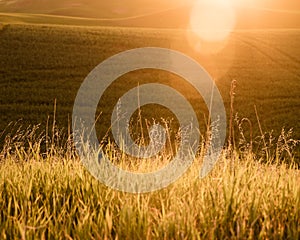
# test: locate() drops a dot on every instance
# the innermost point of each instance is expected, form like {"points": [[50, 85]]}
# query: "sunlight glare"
{"points": [[212, 20]]}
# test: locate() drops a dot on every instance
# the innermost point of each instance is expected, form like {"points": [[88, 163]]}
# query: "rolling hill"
{"points": [[149, 14]]}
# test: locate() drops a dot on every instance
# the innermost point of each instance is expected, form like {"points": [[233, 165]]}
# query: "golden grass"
{"points": [[52, 196]]}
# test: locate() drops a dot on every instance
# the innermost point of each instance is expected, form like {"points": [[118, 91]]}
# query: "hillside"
{"points": [[41, 63], [150, 14]]}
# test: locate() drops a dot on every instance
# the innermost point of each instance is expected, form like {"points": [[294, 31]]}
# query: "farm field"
{"points": [[47, 193], [41, 64]]}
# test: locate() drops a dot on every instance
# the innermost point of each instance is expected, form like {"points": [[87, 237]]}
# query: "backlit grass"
{"points": [[52, 196]]}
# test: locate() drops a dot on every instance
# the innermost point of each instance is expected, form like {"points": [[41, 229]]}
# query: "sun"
{"points": [[212, 20]]}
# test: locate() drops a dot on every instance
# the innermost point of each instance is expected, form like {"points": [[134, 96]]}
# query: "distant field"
{"points": [[28, 18], [41, 63]]}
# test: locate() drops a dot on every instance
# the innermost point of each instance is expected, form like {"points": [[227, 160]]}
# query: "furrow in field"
{"points": [[267, 53], [293, 59]]}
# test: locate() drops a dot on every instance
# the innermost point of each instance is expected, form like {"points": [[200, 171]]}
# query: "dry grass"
{"points": [[51, 195]]}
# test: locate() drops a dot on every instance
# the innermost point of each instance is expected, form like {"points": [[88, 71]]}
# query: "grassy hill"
{"points": [[51, 195], [40, 63], [88, 8]]}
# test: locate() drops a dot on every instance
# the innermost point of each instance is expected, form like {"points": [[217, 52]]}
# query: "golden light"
{"points": [[210, 26], [212, 20], [250, 3]]}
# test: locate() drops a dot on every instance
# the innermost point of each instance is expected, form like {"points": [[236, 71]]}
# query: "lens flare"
{"points": [[212, 20]]}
